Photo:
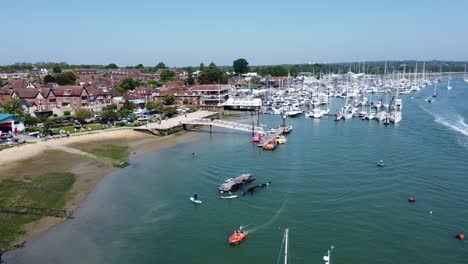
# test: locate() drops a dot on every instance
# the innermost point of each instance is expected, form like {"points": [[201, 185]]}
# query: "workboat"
{"points": [[271, 145], [237, 236]]}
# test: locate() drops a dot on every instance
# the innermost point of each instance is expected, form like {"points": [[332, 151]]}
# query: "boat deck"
{"points": [[232, 184]]}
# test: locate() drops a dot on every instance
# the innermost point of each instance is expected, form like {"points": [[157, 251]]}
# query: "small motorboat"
{"points": [[287, 129], [380, 163], [338, 116], [281, 140], [271, 145], [194, 199], [237, 236]]}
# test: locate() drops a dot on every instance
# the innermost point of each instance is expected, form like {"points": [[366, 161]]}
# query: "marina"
{"points": [[327, 189]]}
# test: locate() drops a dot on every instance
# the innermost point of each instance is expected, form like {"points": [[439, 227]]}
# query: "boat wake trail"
{"points": [[455, 123], [271, 220]]}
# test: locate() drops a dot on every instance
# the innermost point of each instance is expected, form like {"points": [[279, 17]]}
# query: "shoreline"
{"points": [[66, 155]]}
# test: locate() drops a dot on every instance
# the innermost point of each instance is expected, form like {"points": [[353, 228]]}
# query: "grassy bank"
{"points": [[29, 199]]}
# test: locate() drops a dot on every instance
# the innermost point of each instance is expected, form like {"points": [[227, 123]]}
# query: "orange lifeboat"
{"points": [[237, 237], [271, 145]]}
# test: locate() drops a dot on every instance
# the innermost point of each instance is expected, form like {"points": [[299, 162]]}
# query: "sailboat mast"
{"points": [[286, 246]]}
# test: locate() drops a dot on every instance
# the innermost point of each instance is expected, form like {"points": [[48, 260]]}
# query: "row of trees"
{"points": [[61, 78], [241, 66]]}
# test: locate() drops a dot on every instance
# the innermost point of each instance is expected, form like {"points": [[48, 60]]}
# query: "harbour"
{"points": [[326, 189]]}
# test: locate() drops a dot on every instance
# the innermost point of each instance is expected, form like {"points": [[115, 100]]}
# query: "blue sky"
{"points": [[187, 32]]}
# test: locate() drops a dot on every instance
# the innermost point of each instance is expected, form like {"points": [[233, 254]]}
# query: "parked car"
{"points": [[143, 118]]}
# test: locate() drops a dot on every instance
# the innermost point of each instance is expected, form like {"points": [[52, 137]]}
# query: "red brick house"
{"points": [[72, 97], [183, 96]]}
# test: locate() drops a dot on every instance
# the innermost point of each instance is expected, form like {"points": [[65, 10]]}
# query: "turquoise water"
{"points": [[325, 187]]}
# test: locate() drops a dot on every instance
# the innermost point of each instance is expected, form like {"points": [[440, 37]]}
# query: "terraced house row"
{"points": [[59, 98]]}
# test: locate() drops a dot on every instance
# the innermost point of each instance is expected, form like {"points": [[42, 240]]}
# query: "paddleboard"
{"points": [[195, 201], [228, 197]]}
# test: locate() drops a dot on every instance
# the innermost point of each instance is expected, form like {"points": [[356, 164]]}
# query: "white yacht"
{"points": [[396, 116], [317, 113]]}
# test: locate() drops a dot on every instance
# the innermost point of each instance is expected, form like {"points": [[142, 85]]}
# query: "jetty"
{"points": [[191, 120], [232, 184], [271, 135], [175, 124]]}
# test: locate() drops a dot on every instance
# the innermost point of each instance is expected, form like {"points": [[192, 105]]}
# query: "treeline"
{"points": [[241, 66], [361, 67]]}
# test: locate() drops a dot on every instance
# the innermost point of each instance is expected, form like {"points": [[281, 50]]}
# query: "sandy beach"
{"points": [[70, 155]]}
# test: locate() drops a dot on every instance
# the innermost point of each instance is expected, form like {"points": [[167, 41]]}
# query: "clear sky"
{"points": [[187, 32]]}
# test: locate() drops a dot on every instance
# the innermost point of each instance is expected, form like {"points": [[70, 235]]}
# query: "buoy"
{"points": [[461, 236], [430, 212], [411, 200]]}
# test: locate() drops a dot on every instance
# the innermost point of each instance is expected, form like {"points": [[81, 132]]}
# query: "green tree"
{"points": [[49, 79], [112, 66], [190, 79], [212, 75], [13, 106], [66, 78], [46, 129], [152, 84], [129, 105], [160, 65], [140, 66], [240, 66], [57, 69], [122, 113], [167, 75], [66, 113], [29, 120], [201, 67], [154, 106], [169, 99], [170, 111], [129, 84], [83, 114], [108, 113], [110, 107]]}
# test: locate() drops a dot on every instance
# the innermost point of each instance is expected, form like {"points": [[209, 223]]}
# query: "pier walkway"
{"points": [[199, 118], [224, 124]]}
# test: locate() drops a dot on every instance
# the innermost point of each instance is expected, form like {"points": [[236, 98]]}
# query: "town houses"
{"points": [[95, 89], [56, 99]]}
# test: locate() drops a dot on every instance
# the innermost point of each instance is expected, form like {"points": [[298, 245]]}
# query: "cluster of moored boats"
{"points": [[270, 139], [369, 97]]}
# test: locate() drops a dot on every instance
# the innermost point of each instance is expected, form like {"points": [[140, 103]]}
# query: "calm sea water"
{"points": [[326, 188]]}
